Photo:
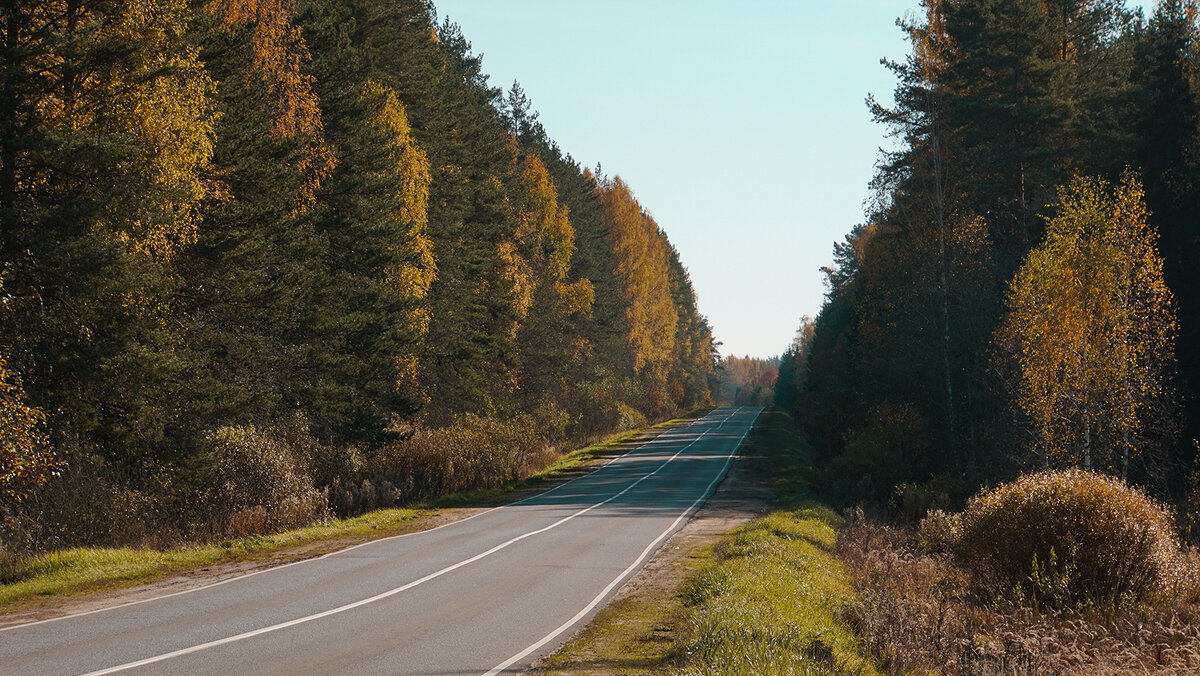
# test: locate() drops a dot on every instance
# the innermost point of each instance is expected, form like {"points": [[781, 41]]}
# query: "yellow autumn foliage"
{"points": [[641, 254], [518, 273], [26, 459], [410, 169], [159, 97], [1091, 325], [578, 296], [544, 225]]}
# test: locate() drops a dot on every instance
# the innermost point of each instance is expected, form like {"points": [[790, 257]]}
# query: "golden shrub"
{"points": [[1068, 539]]}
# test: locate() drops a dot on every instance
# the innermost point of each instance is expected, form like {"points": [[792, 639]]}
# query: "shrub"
{"points": [[551, 420], [329, 465], [325, 464], [1068, 539], [261, 483], [934, 533], [610, 405], [597, 411], [629, 418], [472, 453]]}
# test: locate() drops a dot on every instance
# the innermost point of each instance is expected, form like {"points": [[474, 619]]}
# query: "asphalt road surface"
{"points": [[484, 595]]}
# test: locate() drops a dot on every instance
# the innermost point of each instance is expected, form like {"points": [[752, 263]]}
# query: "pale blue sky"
{"points": [[740, 126]]}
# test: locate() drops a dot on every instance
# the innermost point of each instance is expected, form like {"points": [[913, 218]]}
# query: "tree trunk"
{"points": [[1087, 441], [8, 127], [951, 432], [1125, 454]]}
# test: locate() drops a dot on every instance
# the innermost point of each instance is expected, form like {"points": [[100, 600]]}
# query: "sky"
{"points": [[740, 126]]}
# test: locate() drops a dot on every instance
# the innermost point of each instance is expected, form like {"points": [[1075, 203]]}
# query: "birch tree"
{"points": [[1091, 327]]}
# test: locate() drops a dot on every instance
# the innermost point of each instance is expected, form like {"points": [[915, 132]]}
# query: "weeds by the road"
{"points": [[917, 613]]}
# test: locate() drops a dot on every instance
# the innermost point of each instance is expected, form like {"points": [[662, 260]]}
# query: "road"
{"points": [[484, 595]]}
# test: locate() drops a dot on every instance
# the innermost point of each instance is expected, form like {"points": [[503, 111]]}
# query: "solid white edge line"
{"points": [[339, 551], [625, 573], [391, 592]]}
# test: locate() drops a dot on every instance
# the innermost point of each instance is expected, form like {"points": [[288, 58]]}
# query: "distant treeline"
{"points": [[1025, 291], [262, 258], [745, 381]]}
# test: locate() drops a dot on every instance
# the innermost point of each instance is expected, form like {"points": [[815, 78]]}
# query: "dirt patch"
{"points": [[634, 633]]}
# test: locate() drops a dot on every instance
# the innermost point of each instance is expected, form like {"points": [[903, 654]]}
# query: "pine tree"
{"points": [[1165, 124], [105, 142]]}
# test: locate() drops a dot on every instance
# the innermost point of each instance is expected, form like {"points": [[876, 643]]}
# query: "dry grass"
{"points": [[918, 613]]}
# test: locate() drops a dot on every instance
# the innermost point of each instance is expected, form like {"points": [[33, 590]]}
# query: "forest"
{"points": [[269, 260], [1024, 293]]}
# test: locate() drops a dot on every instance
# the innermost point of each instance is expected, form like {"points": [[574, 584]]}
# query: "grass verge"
{"points": [[774, 598], [89, 569], [773, 601]]}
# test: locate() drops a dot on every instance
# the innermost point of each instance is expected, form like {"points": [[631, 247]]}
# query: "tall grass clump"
{"points": [[1068, 539]]}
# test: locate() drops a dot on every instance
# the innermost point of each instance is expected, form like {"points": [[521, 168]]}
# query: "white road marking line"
{"points": [[337, 552], [391, 592], [621, 578]]}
